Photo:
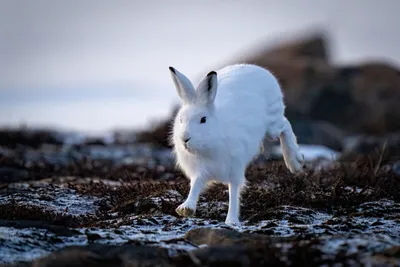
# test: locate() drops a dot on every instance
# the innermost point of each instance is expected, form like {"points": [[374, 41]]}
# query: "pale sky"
{"points": [[128, 45]]}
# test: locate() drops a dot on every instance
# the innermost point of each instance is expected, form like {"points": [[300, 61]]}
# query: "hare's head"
{"points": [[196, 128]]}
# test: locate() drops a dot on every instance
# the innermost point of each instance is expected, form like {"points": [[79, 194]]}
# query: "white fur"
{"points": [[242, 104]]}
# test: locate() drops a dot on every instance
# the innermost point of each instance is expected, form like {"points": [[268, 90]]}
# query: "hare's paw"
{"points": [[186, 209], [300, 162], [232, 221], [297, 162]]}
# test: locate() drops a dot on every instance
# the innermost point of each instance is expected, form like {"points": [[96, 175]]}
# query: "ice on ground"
{"points": [[30, 243], [56, 199], [335, 233]]}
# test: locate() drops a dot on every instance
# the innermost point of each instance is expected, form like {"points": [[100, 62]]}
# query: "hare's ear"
{"points": [[183, 86], [207, 89]]}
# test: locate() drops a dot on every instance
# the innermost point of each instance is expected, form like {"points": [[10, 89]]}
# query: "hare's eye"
{"points": [[203, 120], [180, 120]]}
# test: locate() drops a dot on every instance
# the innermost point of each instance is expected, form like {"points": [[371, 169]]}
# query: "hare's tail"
{"points": [[294, 160]]}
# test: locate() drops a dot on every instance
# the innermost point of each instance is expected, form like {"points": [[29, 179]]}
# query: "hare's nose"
{"points": [[185, 140]]}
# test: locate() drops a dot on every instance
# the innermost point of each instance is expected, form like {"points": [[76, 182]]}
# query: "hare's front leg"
{"points": [[235, 189], [188, 208]]}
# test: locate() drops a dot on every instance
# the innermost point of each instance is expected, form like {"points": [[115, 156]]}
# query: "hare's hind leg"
{"points": [[188, 208], [294, 160]]}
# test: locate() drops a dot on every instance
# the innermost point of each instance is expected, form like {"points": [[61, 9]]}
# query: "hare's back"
{"points": [[247, 87], [249, 103]]}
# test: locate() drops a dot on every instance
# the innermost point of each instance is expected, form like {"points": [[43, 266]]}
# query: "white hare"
{"points": [[219, 128]]}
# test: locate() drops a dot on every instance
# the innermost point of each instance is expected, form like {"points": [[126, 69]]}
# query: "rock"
{"points": [[308, 252], [376, 93], [228, 247], [302, 81], [212, 237], [314, 45], [302, 68], [311, 46], [386, 147], [238, 255], [105, 255], [209, 236], [361, 99]]}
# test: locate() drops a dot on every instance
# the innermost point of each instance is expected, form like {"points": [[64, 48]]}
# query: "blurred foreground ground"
{"points": [[110, 200]]}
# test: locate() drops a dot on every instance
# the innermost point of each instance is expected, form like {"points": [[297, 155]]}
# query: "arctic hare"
{"points": [[219, 128]]}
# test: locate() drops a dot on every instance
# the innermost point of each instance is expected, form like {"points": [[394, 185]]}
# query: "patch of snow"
{"points": [[311, 152]]}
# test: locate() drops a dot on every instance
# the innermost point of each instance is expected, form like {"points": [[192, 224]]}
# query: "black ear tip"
{"points": [[211, 73], [172, 70]]}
